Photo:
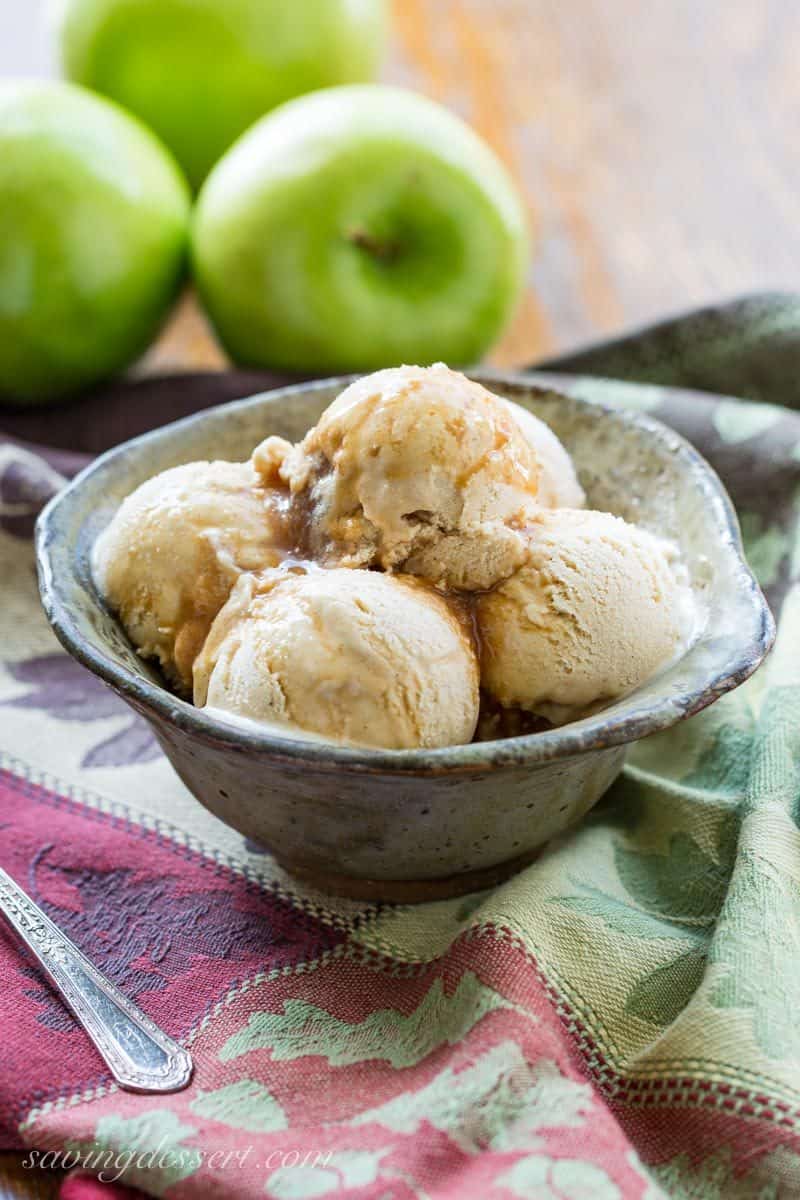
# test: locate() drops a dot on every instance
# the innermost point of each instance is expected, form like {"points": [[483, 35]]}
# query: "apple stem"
{"points": [[384, 250]]}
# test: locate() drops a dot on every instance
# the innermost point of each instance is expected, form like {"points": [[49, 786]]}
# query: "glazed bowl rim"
{"points": [[602, 730]]}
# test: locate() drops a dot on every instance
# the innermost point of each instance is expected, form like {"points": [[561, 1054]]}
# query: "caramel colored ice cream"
{"points": [[558, 483], [167, 561], [597, 608], [405, 456], [352, 656]]}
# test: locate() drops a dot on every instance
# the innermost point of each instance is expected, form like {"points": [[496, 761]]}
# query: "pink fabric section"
{"points": [[324, 1104], [80, 1185], [173, 929]]}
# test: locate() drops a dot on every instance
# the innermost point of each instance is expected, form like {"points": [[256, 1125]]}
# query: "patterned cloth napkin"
{"points": [[618, 1021]]}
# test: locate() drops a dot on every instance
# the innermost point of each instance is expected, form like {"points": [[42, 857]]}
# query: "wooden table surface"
{"points": [[656, 145]]}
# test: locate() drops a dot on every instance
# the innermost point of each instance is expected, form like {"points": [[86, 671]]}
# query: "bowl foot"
{"points": [[409, 891]]}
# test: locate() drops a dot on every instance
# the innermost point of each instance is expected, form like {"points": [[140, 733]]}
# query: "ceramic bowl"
{"points": [[405, 825]]}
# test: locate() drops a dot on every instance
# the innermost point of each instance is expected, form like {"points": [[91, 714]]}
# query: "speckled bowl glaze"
{"points": [[407, 825]]}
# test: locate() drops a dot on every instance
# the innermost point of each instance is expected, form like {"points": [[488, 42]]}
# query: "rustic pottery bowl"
{"points": [[404, 825]]}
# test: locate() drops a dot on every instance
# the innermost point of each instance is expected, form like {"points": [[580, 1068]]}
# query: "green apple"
{"points": [[200, 72], [356, 228], [93, 236]]}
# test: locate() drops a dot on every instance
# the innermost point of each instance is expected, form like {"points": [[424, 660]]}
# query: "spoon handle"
{"points": [[140, 1057]]}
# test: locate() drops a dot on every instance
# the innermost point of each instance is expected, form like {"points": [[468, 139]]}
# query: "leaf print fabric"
{"points": [[538, 1178], [153, 1136], [57, 685], [303, 1029]]}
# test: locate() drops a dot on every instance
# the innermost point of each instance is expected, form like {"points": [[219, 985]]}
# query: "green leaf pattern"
{"points": [[302, 1029], [766, 546], [345, 1169], [714, 1177], [499, 1101], [245, 1104], [149, 1150], [541, 1178], [737, 421]]}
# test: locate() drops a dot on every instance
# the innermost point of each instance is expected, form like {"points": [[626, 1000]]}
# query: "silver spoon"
{"points": [[140, 1057]]}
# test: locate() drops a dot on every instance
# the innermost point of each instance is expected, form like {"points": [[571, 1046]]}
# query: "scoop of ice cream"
{"points": [[352, 656], [481, 555], [558, 482], [473, 559], [404, 456], [597, 608], [168, 559]]}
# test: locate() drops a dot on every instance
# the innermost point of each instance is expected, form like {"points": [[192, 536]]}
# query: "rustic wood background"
{"points": [[656, 144]]}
